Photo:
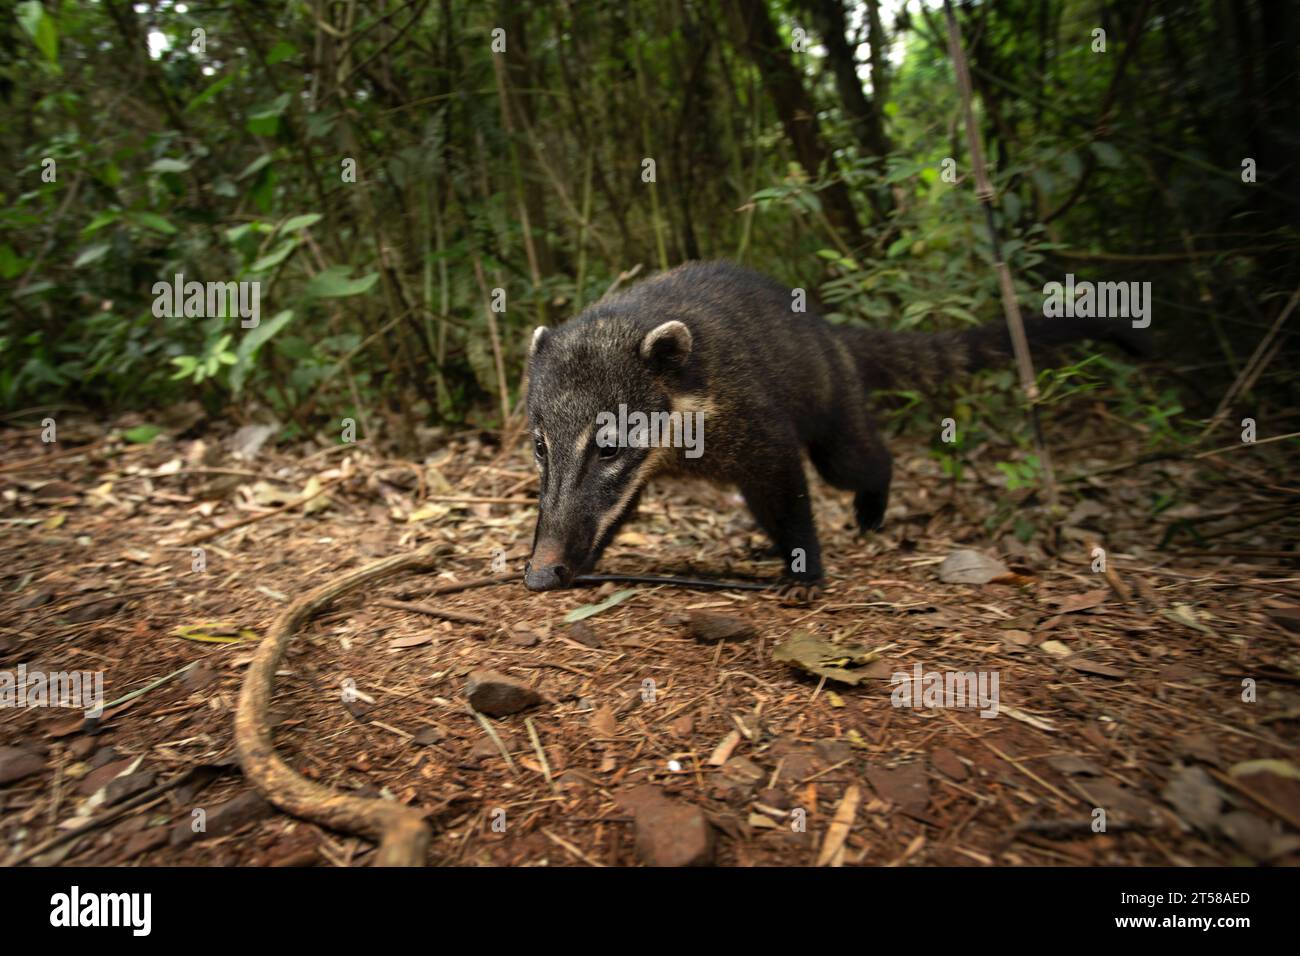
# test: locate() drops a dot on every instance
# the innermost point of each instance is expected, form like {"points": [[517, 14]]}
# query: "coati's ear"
{"points": [[539, 336], [669, 343]]}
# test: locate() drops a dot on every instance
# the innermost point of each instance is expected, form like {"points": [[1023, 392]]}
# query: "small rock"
{"points": [[226, 818], [604, 722], [970, 567], [948, 763], [775, 798], [428, 735], [796, 759], [1258, 839], [1124, 807], [743, 770], [1074, 766], [35, 599], [143, 842], [713, 628], [16, 763], [95, 610], [907, 787], [1192, 792], [198, 677], [103, 774], [669, 832], [738, 780], [497, 695], [52, 490], [1197, 746], [682, 727], [66, 728], [523, 635], [833, 750], [487, 747], [585, 634], [248, 440], [102, 756], [123, 788]]}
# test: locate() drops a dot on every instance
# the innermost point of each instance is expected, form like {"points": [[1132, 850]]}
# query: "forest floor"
{"points": [[1146, 716]]}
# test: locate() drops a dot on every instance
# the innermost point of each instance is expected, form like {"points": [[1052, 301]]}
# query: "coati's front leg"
{"points": [[777, 495]]}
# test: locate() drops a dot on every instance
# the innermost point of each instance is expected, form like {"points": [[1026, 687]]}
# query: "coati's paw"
{"points": [[799, 593], [764, 552]]}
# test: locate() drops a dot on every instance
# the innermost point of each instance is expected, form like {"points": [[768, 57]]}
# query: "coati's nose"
{"points": [[546, 568], [546, 579]]}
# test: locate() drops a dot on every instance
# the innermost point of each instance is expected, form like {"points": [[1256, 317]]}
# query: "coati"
{"points": [[722, 340]]}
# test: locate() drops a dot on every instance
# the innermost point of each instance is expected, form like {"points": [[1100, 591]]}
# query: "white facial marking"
{"points": [[643, 473]]}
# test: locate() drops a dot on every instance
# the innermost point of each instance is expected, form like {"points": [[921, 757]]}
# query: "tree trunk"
{"points": [[798, 114]]}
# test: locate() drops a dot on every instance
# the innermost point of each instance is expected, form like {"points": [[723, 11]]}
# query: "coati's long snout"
{"points": [[592, 469], [768, 384]]}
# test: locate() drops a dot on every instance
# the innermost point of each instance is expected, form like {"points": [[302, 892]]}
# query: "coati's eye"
{"points": [[607, 452], [539, 448]]}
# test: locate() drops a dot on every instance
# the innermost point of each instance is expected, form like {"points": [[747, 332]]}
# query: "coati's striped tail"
{"points": [[928, 361]]}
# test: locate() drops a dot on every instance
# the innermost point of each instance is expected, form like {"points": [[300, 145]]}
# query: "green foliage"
{"points": [[359, 164]]}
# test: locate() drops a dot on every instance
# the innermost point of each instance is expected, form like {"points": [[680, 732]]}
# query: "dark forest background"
{"points": [[805, 138]]}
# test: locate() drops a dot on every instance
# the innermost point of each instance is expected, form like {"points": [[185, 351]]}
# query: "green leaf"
{"points": [[100, 221], [295, 223], [249, 344], [280, 52], [254, 166], [588, 610], [275, 257], [151, 220], [90, 254], [1107, 154], [266, 120], [210, 92], [185, 365], [1073, 164], [236, 233], [40, 26], [142, 434], [255, 338], [166, 165], [11, 264], [334, 283]]}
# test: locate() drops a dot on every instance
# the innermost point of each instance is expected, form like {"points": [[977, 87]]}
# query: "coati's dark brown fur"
{"points": [[772, 383]]}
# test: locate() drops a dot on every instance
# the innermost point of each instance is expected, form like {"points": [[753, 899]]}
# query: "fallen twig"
{"points": [[433, 612]]}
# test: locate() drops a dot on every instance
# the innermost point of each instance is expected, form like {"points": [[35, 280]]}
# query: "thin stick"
{"points": [[433, 612], [566, 845], [541, 754], [496, 739], [127, 698], [1254, 365], [984, 193], [1266, 441], [42, 459], [496, 341]]}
